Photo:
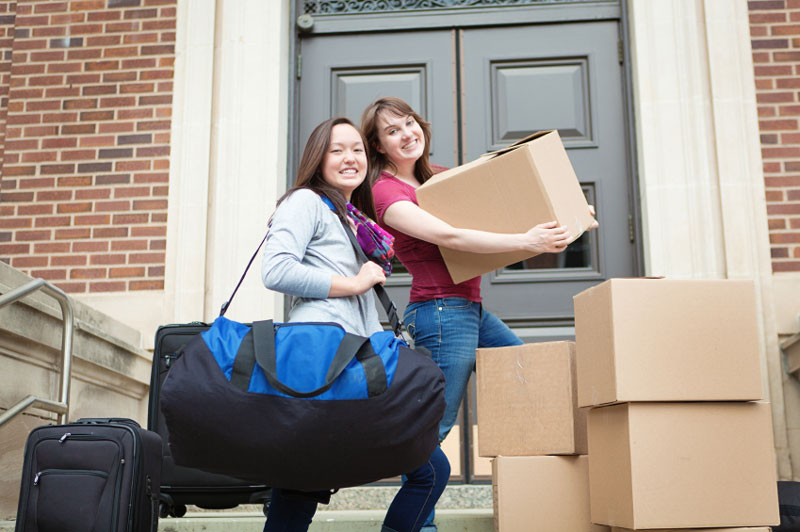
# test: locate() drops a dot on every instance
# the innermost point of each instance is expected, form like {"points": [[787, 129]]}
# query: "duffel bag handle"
{"points": [[263, 353]]}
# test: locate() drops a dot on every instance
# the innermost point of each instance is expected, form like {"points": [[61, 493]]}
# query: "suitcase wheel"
{"points": [[171, 510]]}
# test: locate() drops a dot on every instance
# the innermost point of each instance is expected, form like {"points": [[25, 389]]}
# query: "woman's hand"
{"points": [[595, 225], [546, 238], [369, 275]]}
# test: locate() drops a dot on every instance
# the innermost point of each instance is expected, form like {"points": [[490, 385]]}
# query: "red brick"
{"points": [[56, 169], [110, 232], [69, 260], [61, 142], [14, 249], [87, 103], [87, 53], [123, 166], [783, 209], [107, 259], [101, 65], [775, 97], [49, 275], [43, 106], [51, 247], [148, 231], [132, 271], [15, 223], [135, 113], [75, 155], [136, 87], [122, 26], [92, 219], [72, 288], [149, 205], [786, 266], [18, 170], [141, 38], [140, 258], [28, 236], [116, 127], [155, 271], [146, 285], [53, 195], [92, 194], [97, 115], [156, 74], [99, 90], [105, 140], [36, 208], [39, 156], [158, 245], [85, 206], [109, 206], [107, 287], [90, 246], [87, 273], [138, 63], [774, 195], [75, 181], [774, 153], [104, 40], [763, 18], [59, 117], [41, 182], [29, 262], [114, 77], [129, 245]]}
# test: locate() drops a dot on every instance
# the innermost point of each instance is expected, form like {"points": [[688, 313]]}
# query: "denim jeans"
{"points": [[452, 328], [418, 495], [288, 514]]}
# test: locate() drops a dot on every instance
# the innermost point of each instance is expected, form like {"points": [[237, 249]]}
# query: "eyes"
{"points": [[409, 123], [337, 150]]}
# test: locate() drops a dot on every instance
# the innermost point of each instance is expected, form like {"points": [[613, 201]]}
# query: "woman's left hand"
{"points": [[596, 224]]}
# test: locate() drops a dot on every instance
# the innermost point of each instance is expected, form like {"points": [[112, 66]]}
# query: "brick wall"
{"points": [[84, 134], [775, 38]]}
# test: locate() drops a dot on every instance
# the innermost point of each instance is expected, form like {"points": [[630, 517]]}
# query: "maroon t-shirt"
{"points": [[430, 278]]}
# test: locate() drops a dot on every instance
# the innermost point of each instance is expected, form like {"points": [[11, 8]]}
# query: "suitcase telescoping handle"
{"points": [[106, 420]]}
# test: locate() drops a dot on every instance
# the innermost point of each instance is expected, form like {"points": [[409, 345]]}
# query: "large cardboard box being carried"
{"points": [[527, 401], [682, 465], [508, 191], [541, 494], [667, 340]]}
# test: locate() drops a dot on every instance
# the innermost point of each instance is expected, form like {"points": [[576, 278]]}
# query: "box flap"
{"points": [[529, 138]]}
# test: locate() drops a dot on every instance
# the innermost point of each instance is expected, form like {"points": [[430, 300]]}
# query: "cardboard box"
{"points": [[738, 529], [682, 465], [508, 191], [667, 340], [541, 494], [527, 401]]}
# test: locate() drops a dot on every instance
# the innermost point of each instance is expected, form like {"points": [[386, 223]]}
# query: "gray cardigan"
{"points": [[305, 247]]}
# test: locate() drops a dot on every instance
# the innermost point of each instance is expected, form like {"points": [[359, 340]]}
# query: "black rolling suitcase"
{"points": [[91, 475], [183, 485]]}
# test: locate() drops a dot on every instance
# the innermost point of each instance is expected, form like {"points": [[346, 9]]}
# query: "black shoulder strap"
{"points": [[386, 302], [380, 291]]}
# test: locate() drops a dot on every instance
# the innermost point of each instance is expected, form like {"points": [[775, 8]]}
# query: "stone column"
{"points": [[699, 160]]}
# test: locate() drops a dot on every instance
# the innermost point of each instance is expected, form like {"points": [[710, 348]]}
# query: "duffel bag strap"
{"points": [[263, 352]]}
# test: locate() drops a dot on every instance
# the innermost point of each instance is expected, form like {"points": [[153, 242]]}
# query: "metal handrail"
{"points": [[61, 407]]}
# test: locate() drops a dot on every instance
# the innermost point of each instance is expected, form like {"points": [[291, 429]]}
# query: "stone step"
{"points": [[461, 508], [463, 520]]}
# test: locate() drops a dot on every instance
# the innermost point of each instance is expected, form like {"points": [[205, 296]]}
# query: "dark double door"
{"points": [[482, 88]]}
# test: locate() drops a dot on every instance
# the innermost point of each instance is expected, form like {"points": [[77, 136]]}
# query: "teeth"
{"points": [[410, 144], [349, 171]]}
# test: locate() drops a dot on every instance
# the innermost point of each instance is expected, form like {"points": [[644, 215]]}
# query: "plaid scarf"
{"points": [[376, 243]]}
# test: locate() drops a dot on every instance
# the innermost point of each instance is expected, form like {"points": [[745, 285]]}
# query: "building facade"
{"points": [[144, 142]]}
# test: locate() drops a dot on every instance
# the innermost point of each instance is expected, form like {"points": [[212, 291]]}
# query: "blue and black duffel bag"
{"points": [[302, 406]]}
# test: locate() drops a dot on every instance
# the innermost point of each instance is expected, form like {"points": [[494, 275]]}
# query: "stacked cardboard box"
{"points": [[671, 371], [528, 420]]}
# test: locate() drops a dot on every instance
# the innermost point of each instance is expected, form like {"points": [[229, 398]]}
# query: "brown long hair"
{"points": [[369, 128], [309, 172]]}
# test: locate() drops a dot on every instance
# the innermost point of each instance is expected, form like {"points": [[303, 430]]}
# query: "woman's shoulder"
{"points": [[303, 198]]}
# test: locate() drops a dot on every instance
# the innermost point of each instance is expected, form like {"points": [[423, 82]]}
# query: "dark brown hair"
{"points": [[309, 172], [369, 128]]}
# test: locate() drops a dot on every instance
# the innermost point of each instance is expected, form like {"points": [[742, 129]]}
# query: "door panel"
{"points": [[342, 74], [522, 79]]}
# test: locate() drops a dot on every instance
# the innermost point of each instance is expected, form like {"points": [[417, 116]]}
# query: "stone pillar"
{"points": [[699, 160]]}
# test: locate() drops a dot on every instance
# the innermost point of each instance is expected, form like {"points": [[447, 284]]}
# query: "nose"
{"points": [[349, 155]]}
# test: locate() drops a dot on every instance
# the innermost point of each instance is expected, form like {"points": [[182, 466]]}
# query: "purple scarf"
{"points": [[376, 243]]}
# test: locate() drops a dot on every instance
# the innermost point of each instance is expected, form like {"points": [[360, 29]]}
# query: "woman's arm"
{"points": [[282, 269], [370, 275], [410, 219]]}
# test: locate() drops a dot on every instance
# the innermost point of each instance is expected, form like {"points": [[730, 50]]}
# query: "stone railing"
{"points": [[110, 372]]}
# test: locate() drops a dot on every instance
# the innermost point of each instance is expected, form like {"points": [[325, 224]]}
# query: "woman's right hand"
{"points": [[369, 275], [546, 238]]}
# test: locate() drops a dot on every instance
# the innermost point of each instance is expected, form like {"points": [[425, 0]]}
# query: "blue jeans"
{"points": [[452, 328], [418, 495], [287, 514]]}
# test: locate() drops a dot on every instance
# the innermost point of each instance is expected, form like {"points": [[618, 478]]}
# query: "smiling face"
{"points": [[401, 139], [345, 163]]}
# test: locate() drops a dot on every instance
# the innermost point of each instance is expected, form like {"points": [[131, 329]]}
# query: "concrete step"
{"points": [[464, 520], [462, 508]]}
